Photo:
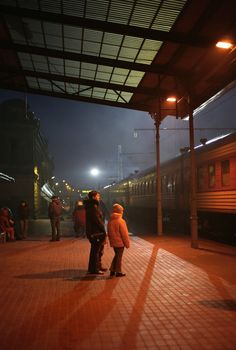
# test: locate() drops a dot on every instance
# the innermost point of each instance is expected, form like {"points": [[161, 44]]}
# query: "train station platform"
{"points": [[172, 297]]}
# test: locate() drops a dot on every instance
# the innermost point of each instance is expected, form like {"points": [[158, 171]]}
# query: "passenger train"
{"points": [[215, 190]]}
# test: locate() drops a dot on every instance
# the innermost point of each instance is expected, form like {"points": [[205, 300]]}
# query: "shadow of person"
{"points": [[61, 322], [86, 319]]}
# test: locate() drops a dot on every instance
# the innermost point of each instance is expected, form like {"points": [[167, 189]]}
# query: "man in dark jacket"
{"points": [[54, 212], [95, 232]]}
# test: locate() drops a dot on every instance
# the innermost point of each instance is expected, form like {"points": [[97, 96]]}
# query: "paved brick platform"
{"points": [[173, 297]]}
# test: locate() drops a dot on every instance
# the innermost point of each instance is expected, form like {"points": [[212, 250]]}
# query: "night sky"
{"points": [[82, 136]]}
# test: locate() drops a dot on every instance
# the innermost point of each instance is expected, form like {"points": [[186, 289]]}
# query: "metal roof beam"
{"points": [[135, 106], [153, 68], [175, 37], [151, 92]]}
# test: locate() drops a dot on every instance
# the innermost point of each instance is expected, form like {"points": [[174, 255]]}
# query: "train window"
{"points": [[174, 183], [163, 183], [152, 186], [169, 184], [211, 175], [148, 187], [139, 188], [200, 178], [225, 173]]}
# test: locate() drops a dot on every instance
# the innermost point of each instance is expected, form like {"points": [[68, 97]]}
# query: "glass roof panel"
{"points": [[168, 14], [109, 51], [71, 88], [71, 71], [125, 97], [98, 93], [58, 86], [32, 82], [111, 95], [53, 29], [34, 30], [85, 91], [143, 14], [15, 27], [56, 65], [128, 54], [134, 78], [88, 70], [118, 13], [44, 84], [96, 9], [73, 39], [119, 75], [74, 7], [25, 60], [103, 73]]}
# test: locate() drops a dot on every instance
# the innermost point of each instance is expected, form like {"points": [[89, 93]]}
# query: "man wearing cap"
{"points": [[95, 231]]}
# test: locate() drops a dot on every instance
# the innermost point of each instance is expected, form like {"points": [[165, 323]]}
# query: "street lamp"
{"points": [[95, 172]]}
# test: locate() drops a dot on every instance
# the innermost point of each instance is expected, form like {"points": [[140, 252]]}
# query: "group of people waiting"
{"points": [[8, 223], [89, 221]]}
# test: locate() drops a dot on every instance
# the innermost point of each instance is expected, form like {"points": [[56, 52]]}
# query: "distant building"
{"points": [[23, 156]]}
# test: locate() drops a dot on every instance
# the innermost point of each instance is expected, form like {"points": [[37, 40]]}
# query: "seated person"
{"points": [[7, 223]]}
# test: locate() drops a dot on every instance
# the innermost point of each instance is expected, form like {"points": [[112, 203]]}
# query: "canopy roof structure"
{"points": [[121, 53]]}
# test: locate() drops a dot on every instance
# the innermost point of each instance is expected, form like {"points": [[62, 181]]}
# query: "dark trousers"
{"points": [[55, 225], [96, 252], [117, 260]]}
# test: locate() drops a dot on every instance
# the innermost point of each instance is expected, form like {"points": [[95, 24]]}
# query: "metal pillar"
{"points": [[120, 163], [193, 200], [157, 122]]}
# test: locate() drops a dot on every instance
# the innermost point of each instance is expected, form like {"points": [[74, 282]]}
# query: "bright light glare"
{"points": [[224, 44], [171, 99], [94, 172]]}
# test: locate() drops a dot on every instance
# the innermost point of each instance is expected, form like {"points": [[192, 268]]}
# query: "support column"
{"points": [[159, 224], [193, 200]]}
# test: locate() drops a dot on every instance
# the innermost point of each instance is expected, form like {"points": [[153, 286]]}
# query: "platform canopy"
{"points": [[121, 53]]}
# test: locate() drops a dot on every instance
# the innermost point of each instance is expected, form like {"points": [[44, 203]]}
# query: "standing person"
{"points": [[54, 212], [23, 214], [95, 232], [7, 223], [119, 239], [78, 216]]}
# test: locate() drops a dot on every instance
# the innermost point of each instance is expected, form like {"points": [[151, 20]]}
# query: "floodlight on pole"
{"points": [[94, 172]]}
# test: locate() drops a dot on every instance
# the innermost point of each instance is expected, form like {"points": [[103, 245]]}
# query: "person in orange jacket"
{"points": [[119, 239]]}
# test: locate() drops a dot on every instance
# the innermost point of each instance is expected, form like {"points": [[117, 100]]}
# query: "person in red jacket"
{"points": [[54, 212], [119, 239], [78, 216], [7, 224]]}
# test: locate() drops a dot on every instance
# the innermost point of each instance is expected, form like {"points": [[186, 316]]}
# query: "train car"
{"points": [[215, 190]]}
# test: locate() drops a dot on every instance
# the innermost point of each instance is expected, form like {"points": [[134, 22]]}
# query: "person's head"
{"points": [[94, 195], [117, 208], [4, 211], [55, 198]]}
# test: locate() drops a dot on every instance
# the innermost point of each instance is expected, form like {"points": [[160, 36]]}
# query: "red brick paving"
{"points": [[173, 297]]}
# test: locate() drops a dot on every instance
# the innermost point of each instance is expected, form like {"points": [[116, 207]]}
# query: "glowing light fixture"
{"points": [[94, 172], [224, 44], [171, 99]]}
